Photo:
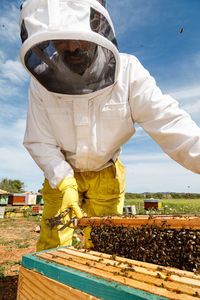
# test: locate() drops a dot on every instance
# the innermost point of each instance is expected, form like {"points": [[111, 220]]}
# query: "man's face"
{"points": [[77, 55]]}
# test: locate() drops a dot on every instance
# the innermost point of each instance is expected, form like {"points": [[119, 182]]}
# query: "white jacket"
{"points": [[66, 133]]}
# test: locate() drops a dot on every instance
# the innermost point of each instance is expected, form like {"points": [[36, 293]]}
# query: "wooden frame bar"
{"points": [[176, 222]]}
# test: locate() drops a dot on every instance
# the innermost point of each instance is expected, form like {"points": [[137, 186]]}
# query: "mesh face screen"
{"points": [[99, 24], [74, 73]]}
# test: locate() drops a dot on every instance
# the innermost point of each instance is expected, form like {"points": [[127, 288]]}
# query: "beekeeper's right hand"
{"points": [[69, 190]]}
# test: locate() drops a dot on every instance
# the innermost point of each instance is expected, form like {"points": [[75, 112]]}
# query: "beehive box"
{"points": [[17, 199], [69, 273], [39, 199], [37, 209], [2, 212], [152, 204], [30, 199], [3, 199]]}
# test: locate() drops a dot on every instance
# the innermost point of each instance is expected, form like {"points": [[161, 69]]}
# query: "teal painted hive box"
{"points": [[3, 199], [69, 273], [39, 199]]}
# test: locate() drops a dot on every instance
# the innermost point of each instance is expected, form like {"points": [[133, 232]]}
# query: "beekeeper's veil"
{"points": [[49, 25]]}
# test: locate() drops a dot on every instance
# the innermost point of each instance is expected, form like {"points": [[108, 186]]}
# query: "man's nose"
{"points": [[73, 45]]}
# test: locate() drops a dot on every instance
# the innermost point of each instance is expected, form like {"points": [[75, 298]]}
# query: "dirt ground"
{"points": [[17, 238]]}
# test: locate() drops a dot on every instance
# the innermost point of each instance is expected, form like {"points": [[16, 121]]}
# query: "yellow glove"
{"points": [[69, 189]]}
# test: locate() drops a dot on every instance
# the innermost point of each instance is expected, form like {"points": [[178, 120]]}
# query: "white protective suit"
{"points": [[69, 131]]}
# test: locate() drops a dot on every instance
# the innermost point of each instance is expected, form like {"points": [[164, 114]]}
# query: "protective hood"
{"points": [[69, 46]]}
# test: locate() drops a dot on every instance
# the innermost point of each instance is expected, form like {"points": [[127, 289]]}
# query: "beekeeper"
{"points": [[84, 98]]}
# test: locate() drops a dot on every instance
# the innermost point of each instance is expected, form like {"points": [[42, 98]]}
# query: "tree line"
{"points": [[12, 186], [17, 186], [162, 195]]}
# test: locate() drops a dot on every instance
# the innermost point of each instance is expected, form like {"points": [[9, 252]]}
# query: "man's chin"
{"points": [[77, 67]]}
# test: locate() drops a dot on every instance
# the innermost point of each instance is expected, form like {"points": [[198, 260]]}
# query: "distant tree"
{"points": [[158, 195], [133, 196], [12, 186]]}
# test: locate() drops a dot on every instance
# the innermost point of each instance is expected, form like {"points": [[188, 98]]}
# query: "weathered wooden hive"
{"points": [[69, 273]]}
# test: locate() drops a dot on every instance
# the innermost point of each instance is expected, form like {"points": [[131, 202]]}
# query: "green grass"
{"points": [[35, 218], [6, 243], [169, 206], [12, 263], [4, 222], [19, 243]]}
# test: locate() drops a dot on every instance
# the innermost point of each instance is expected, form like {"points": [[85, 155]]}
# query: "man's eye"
{"points": [[95, 24]]}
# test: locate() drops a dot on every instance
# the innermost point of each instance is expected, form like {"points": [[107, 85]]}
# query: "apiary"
{"points": [[69, 273]]}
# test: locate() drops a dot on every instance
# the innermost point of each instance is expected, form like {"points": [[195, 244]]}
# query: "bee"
{"points": [[100, 259], [166, 279], [113, 257], [158, 275], [116, 273]]}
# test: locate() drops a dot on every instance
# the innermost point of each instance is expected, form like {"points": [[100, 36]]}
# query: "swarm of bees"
{"points": [[179, 248]]}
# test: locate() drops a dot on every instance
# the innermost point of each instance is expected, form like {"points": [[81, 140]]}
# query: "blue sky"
{"points": [[147, 29]]}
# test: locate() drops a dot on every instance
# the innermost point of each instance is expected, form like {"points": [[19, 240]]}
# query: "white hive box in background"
{"points": [[30, 199], [2, 212]]}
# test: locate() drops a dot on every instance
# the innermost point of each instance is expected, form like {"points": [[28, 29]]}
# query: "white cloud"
{"points": [[160, 176], [186, 93], [15, 161], [144, 157], [189, 100], [192, 108], [9, 113], [2, 56], [14, 71], [7, 90], [12, 77], [13, 134]]}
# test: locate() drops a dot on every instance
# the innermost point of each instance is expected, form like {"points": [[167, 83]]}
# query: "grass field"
{"points": [[169, 206]]}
